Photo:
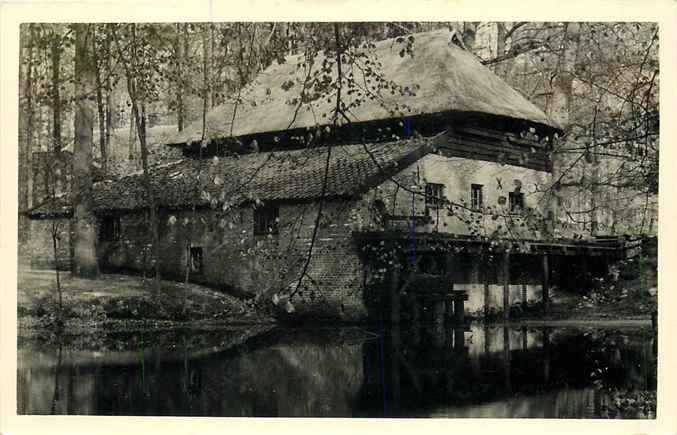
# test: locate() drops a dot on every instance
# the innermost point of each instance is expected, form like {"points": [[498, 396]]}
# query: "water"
{"points": [[493, 371]]}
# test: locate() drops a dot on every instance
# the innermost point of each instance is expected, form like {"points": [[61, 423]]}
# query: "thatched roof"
{"points": [[271, 176], [440, 77]]}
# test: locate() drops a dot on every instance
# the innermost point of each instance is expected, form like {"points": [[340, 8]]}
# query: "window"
{"points": [[196, 256], [266, 219], [476, 199], [516, 200], [434, 195], [110, 229]]}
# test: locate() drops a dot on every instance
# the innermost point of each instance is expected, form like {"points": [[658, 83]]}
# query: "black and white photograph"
{"points": [[354, 219]]}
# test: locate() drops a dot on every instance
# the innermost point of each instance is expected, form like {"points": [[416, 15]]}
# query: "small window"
{"points": [[110, 229], [476, 198], [516, 200], [266, 219], [196, 256], [434, 195]]}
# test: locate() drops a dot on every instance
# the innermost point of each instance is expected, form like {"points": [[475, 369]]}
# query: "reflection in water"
{"points": [[439, 371]]}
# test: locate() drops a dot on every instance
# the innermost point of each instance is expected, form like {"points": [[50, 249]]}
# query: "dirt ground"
{"points": [[131, 298]]}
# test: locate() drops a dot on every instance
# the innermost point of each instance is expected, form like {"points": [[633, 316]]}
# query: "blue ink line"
{"points": [[413, 229]]}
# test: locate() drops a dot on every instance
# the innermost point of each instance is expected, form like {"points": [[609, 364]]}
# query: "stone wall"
{"points": [[39, 247], [234, 259], [457, 175]]}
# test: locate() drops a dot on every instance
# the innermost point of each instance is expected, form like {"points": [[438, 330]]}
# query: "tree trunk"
{"points": [[141, 129], [212, 50], [84, 261], [132, 135], [100, 105], [109, 90], [559, 110], [207, 65], [206, 96], [26, 117], [469, 34], [139, 115], [179, 64], [55, 50]]}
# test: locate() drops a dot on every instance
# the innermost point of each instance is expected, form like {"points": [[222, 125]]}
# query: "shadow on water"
{"points": [[479, 371]]}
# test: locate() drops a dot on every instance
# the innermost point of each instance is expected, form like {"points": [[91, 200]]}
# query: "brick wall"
{"points": [[236, 260]]}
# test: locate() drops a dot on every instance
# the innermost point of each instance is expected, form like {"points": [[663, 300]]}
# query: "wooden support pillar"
{"points": [[546, 355], [524, 291], [439, 336], [485, 278], [506, 285], [415, 308], [506, 358], [394, 295], [585, 272], [459, 311], [450, 266], [459, 339], [415, 335], [546, 283], [525, 340], [394, 357], [438, 309], [450, 309]]}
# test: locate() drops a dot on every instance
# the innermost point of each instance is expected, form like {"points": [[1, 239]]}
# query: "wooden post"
{"points": [[546, 284], [459, 310], [450, 308], [459, 339], [415, 308], [524, 290], [438, 309], [450, 266], [506, 357], [485, 277], [506, 285], [394, 296], [394, 352], [546, 355]]}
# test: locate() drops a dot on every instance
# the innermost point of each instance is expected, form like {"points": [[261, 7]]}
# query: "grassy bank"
{"points": [[123, 302]]}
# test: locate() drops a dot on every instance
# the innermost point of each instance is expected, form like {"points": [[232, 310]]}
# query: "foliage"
{"points": [[174, 70]]}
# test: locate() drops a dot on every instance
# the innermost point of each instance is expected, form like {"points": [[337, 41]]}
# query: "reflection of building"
{"points": [[481, 371], [439, 151]]}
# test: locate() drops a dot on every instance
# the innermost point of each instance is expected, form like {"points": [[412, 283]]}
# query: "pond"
{"points": [[493, 371]]}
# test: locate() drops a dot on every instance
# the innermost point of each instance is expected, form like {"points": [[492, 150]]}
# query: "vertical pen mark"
{"points": [[413, 229]]}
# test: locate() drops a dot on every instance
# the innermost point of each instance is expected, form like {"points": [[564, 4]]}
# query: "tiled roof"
{"points": [[269, 176], [60, 206]]}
